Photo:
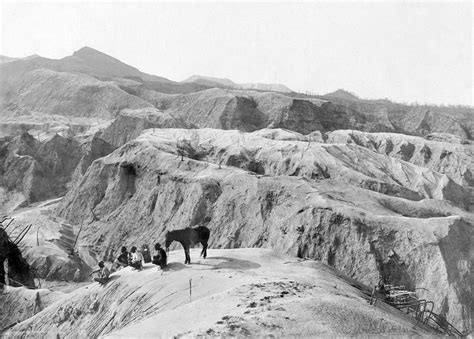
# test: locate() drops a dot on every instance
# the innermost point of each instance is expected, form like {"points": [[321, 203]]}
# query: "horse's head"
{"points": [[168, 240]]}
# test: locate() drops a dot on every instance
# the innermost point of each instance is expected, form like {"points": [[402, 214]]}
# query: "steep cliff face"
{"points": [[215, 108], [423, 121], [249, 110], [35, 170], [38, 170], [143, 189], [92, 148], [385, 116], [21, 172]]}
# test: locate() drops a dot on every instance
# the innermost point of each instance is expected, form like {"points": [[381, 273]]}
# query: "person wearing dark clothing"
{"points": [[160, 256], [122, 259]]}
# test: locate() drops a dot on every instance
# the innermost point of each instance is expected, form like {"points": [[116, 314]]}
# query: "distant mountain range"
{"points": [[104, 67], [92, 84]]}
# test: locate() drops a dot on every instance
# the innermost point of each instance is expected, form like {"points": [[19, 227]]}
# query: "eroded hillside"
{"points": [[34, 170], [400, 227]]}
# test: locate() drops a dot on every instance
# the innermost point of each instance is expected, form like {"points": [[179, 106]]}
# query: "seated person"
{"points": [[159, 258], [103, 275], [135, 258], [122, 259]]}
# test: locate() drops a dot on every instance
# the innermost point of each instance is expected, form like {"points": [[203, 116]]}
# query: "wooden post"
{"points": [[190, 281]]}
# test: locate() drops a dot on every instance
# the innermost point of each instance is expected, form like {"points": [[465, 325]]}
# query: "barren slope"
{"points": [[397, 233], [234, 292], [67, 94], [442, 153]]}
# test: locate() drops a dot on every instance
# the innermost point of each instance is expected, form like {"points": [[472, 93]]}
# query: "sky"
{"points": [[407, 52]]}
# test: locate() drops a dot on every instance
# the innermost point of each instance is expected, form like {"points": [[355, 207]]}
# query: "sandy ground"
{"points": [[236, 292], [254, 292]]}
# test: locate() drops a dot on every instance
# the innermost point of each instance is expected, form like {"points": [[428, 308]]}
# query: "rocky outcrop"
{"points": [[21, 172], [214, 108], [314, 160], [385, 116], [144, 189], [93, 148], [44, 126], [130, 123], [38, 170], [441, 153], [250, 110]]}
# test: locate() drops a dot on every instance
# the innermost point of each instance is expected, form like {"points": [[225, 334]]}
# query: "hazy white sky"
{"points": [[407, 52]]}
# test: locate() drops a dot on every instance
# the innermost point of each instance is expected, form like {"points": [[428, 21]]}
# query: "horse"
{"points": [[188, 237]]}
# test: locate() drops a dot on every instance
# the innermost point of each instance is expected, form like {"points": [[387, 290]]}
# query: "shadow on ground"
{"points": [[175, 266], [231, 263]]}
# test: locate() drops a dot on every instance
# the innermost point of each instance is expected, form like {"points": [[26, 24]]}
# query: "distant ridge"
{"points": [[4, 59], [205, 80], [227, 83], [342, 94], [266, 87]]}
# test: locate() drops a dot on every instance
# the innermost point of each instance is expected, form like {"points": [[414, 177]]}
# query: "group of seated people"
{"points": [[134, 259]]}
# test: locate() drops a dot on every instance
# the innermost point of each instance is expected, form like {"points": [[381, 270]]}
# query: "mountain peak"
{"points": [[342, 94], [103, 63], [87, 51]]}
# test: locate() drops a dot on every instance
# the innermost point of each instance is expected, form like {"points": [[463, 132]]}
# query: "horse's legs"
{"points": [[186, 254], [204, 250]]}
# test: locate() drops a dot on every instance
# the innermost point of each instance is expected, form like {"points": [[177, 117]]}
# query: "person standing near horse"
{"points": [[135, 258], [160, 257]]}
